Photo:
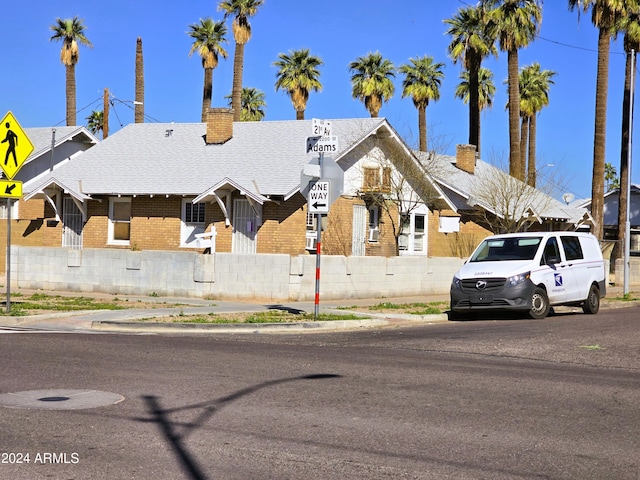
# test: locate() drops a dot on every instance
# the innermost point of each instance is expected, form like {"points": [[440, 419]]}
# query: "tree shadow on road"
{"points": [[205, 410]]}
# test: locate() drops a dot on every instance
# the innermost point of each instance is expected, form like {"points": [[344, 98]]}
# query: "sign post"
{"points": [[16, 151]]}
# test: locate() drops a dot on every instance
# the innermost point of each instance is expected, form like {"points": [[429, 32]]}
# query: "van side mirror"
{"points": [[552, 260]]}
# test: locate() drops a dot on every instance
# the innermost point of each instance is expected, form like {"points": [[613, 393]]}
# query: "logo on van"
{"points": [[481, 285], [558, 278]]}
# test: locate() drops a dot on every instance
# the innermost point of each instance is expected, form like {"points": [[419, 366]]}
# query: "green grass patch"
{"points": [[430, 308], [40, 301], [269, 316]]}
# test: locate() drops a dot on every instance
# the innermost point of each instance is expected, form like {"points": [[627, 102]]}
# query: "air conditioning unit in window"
{"points": [[312, 241], [403, 242], [374, 235]]}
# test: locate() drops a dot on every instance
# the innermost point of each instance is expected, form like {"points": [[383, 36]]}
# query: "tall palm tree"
{"points": [[534, 96], [515, 24], [486, 91], [471, 42], [95, 122], [372, 81], [208, 37], [241, 10], [604, 16], [139, 84], [71, 32], [630, 25], [422, 82], [253, 104], [298, 75]]}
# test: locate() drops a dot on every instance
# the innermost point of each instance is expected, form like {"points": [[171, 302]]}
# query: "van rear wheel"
{"points": [[539, 304], [592, 303]]}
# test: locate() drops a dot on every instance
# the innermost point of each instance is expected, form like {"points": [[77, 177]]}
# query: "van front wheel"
{"points": [[539, 304], [592, 303]]}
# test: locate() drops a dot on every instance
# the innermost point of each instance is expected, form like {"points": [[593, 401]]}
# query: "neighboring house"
{"points": [[610, 214], [53, 147]]}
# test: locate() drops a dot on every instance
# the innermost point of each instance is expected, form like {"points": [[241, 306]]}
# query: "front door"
{"points": [[245, 227], [359, 234], [71, 224]]}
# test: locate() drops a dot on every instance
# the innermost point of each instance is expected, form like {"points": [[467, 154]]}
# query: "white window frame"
{"points": [[14, 209], [111, 228], [374, 224], [411, 240]]}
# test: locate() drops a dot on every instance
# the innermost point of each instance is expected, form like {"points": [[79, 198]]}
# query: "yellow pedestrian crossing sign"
{"points": [[15, 146], [10, 189]]}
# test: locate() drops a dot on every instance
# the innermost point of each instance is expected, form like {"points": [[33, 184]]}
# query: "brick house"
{"points": [[53, 148], [232, 187]]}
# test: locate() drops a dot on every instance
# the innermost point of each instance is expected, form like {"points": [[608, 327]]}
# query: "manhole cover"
{"points": [[59, 399]]}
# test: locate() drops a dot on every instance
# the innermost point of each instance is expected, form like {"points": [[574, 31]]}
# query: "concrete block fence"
{"points": [[227, 275]]}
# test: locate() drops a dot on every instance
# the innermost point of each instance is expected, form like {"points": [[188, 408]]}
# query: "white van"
{"points": [[531, 272]]}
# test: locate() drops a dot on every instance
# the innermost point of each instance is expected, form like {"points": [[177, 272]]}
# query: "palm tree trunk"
{"points": [[516, 167], [624, 161], [138, 115], [474, 105], [71, 95], [206, 93], [531, 166], [299, 114], [524, 130], [236, 93], [597, 180], [422, 127]]}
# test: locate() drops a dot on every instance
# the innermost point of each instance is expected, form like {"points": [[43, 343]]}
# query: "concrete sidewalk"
{"points": [[129, 320]]}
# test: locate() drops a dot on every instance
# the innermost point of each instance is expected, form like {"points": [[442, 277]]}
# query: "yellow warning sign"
{"points": [[10, 189], [15, 146]]}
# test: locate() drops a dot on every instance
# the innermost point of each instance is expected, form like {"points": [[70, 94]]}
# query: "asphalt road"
{"points": [[492, 399]]}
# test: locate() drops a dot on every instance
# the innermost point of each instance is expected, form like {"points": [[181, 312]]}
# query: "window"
{"points": [[376, 179], [572, 248], [4, 210], [374, 224], [119, 221], [413, 236]]}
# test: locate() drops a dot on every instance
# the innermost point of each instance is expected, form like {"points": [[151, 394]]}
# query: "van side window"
{"points": [[572, 248], [550, 251]]}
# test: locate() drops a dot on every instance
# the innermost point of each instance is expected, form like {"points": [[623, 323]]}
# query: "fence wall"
{"points": [[227, 275]]}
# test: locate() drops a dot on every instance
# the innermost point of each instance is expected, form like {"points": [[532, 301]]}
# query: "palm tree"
{"points": [[241, 10], [95, 122], [208, 37], [604, 16], [515, 24], [139, 84], [630, 25], [253, 104], [422, 83], [372, 81], [71, 32], [471, 43], [534, 96], [486, 91], [298, 75]]}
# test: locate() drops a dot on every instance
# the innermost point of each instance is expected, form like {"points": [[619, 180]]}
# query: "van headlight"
{"points": [[455, 283], [517, 279]]}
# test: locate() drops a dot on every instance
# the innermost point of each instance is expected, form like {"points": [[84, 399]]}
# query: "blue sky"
{"points": [[32, 83]]}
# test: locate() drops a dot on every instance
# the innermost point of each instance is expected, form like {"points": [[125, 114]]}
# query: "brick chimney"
{"points": [[466, 158], [219, 125]]}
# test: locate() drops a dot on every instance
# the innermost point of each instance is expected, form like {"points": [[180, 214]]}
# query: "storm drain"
{"points": [[59, 399]]}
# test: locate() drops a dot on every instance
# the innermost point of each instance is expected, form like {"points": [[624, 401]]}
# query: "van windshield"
{"points": [[508, 248]]}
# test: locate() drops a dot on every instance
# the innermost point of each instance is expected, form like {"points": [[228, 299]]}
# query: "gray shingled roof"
{"points": [[264, 158], [40, 137], [461, 187]]}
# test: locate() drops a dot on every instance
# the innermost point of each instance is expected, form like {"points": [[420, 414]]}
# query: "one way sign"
{"points": [[318, 198]]}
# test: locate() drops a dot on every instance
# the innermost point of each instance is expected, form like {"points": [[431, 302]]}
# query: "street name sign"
{"points": [[318, 199], [320, 128], [15, 146], [322, 144], [10, 189]]}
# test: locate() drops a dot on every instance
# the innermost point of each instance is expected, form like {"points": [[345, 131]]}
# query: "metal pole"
{"points": [[316, 308], [627, 223], [8, 255]]}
